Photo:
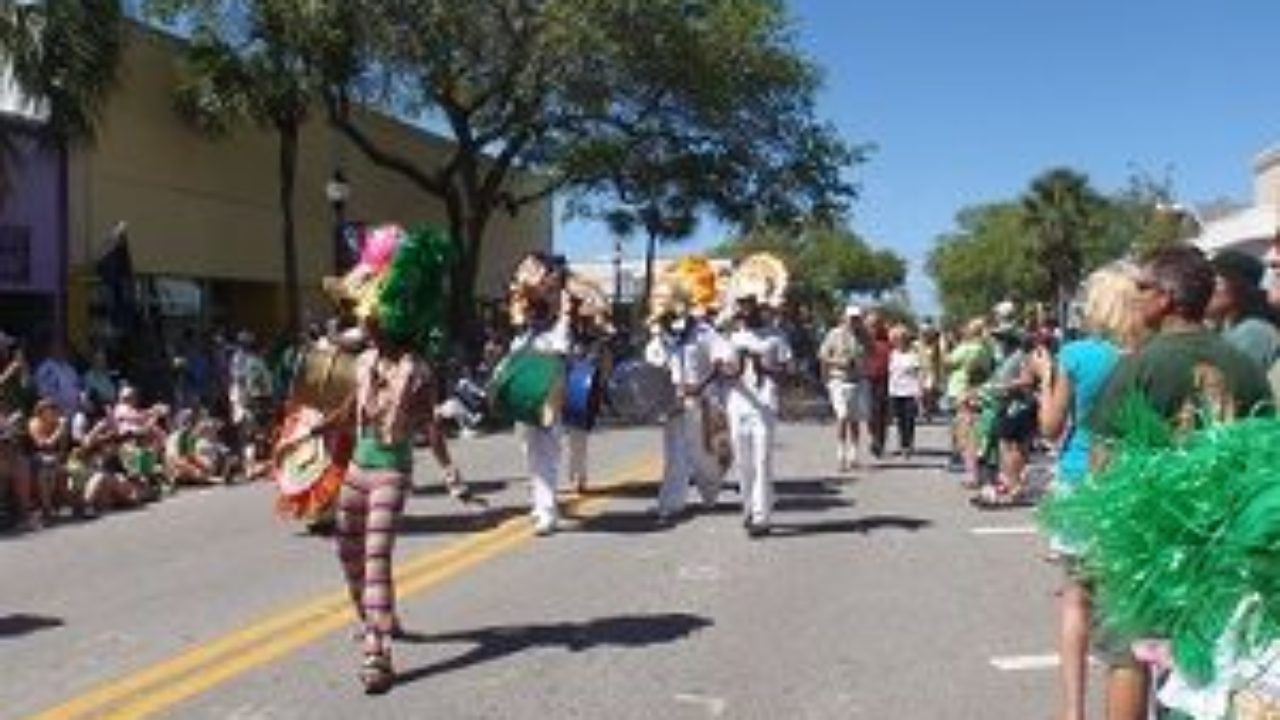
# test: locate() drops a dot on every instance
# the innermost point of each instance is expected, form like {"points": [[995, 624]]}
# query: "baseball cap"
{"points": [[852, 311]]}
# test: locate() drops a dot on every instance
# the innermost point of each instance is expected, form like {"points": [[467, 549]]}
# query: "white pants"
{"points": [[684, 459], [542, 456], [577, 442], [752, 433]]}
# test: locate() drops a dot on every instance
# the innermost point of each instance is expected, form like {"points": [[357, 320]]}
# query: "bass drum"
{"points": [[583, 395], [641, 392], [325, 378], [528, 387], [308, 470]]}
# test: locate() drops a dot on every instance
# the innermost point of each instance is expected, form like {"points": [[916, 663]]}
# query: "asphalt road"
{"points": [[881, 594]]}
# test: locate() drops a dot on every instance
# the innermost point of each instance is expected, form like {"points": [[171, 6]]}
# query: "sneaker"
{"points": [[544, 525], [842, 459], [853, 458], [756, 529]]}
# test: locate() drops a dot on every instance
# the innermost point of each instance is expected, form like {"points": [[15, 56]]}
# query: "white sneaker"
{"points": [[544, 525], [842, 459], [853, 459]]}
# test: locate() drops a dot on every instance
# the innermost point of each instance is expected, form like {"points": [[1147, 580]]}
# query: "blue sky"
{"points": [[968, 100]]}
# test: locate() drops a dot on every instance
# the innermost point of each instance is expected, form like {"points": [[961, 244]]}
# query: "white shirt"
{"points": [[750, 393], [554, 340], [904, 374], [687, 357]]}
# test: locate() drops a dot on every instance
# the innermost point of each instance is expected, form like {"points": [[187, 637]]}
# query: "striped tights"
{"points": [[369, 507]]}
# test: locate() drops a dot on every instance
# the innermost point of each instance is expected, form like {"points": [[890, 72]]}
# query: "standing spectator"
{"points": [[57, 379], [251, 401], [1069, 388], [905, 386], [15, 465], [842, 353], [970, 364], [876, 371], [1239, 305], [1185, 373], [929, 349], [99, 381]]}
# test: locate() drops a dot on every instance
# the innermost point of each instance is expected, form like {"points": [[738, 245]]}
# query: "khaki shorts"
{"points": [[849, 400]]}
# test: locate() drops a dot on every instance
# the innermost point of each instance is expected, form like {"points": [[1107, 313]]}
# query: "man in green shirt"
{"points": [[1188, 374]]}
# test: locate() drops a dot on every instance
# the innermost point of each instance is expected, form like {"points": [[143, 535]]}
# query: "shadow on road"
{"points": [[495, 643], [863, 525], [462, 520], [22, 624]]}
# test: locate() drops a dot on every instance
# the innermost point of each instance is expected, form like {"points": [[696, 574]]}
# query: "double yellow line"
{"points": [[186, 675]]}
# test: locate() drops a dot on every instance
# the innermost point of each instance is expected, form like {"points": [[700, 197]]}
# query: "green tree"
{"points": [[264, 62], [986, 259], [1064, 217], [660, 105], [64, 55]]}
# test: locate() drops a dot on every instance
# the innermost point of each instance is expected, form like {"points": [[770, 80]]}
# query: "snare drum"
{"points": [[325, 378], [528, 387], [642, 392], [583, 394]]}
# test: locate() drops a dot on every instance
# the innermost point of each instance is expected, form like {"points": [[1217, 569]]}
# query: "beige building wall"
{"points": [[1267, 178], [207, 209]]}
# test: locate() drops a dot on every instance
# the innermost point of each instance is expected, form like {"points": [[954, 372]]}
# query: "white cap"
{"points": [[852, 311]]}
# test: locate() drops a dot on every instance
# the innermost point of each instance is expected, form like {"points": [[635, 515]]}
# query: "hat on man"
{"points": [[852, 311]]}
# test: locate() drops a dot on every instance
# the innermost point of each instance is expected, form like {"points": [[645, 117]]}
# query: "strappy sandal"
{"points": [[376, 674]]}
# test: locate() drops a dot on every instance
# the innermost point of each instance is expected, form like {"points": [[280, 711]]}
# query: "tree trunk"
{"points": [[288, 176], [467, 230]]}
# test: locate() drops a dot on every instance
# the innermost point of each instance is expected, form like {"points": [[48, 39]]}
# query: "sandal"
{"points": [[376, 674]]}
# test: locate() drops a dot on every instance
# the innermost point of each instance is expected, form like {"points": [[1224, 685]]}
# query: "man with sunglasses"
{"points": [[1187, 373]]}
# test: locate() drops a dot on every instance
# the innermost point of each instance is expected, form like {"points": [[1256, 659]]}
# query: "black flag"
{"points": [[115, 270]]}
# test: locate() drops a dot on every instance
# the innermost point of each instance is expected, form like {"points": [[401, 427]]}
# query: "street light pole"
{"points": [[337, 192]]}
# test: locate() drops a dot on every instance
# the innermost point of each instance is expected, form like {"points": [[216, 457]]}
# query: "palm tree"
{"points": [[1063, 214], [267, 70], [63, 55]]}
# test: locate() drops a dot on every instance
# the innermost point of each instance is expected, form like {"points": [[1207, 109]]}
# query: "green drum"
{"points": [[528, 387]]}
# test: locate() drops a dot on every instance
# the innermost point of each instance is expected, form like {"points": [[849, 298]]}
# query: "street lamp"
{"points": [[337, 192]]}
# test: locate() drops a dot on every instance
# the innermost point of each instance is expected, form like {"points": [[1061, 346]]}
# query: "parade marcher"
{"points": [[1187, 375], [842, 354], [590, 333], [752, 359], [905, 386], [876, 377], [542, 308], [682, 343], [399, 301]]}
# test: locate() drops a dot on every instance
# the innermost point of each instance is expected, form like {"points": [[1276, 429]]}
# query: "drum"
{"points": [[583, 394], [325, 378], [308, 470], [642, 392], [528, 387]]}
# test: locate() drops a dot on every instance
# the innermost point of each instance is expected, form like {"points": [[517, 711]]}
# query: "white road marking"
{"points": [[1005, 530], [714, 706], [1023, 663]]}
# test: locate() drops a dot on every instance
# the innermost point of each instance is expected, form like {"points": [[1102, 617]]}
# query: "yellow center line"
{"points": [[199, 669]]}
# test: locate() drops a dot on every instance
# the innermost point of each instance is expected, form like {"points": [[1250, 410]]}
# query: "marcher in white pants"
{"points": [[549, 335], [752, 358], [683, 346]]}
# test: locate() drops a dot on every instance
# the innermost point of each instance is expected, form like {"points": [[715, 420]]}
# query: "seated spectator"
{"points": [[49, 434], [142, 437], [57, 379], [182, 463], [94, 464], [212, 451]]}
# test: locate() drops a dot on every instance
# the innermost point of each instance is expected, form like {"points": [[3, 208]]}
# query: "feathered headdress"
{"points": [[762, 276], [401, 280], [688, 286], [538, 279]]}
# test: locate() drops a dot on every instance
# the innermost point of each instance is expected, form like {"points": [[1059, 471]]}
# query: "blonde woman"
{"points": [[1070, 385]]}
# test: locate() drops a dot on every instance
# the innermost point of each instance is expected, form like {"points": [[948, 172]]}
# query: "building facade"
{"points": [[202, 216], [1253, 228]]}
